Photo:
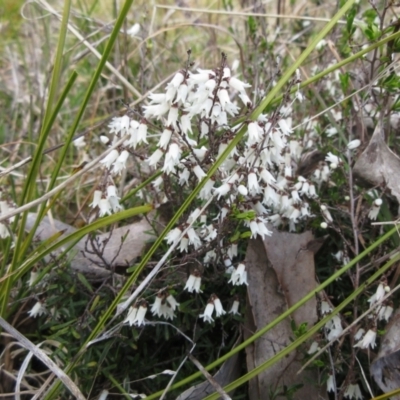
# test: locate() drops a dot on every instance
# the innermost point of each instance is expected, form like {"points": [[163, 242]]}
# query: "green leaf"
{"points": [[85, 282], [350, 19], [252, 24], [344, 81]]}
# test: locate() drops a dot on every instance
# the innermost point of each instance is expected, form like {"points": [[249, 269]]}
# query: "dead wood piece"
{"points": [[98, 256], [280, 272], [378, 165], [229, 371], [385, 369]]}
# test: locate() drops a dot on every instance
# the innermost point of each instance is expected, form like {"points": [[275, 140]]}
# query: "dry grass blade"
{"points": [[27, 344]]}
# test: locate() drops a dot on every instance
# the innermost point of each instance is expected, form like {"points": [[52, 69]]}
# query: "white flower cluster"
{"points": [[257, 179], [213, 304], [164, 305]]}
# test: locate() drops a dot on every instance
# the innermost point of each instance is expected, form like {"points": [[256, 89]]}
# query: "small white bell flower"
{"points": [[376, 206], [368, 340], [207, 315]]}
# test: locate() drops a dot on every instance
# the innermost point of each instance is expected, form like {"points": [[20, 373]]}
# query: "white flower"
{"points": [[331, 158], [388, 313], [173, 116], [311, 191], [208, 312], [120, 163], [37, 310], [330, 384], [142, 133], [359, 334], [186, 125], [156, 110], [110, 158], [156, 307], [141, 313], [177, 80], [158, 182], [162, 308], [183, 246], [193, 283], [357, 393], [313, 348], [194, 238], [104, 207], [378, 295], [320, 44], [112, 191], [131, 315], [245, 99], [184, 177], [212, 233], [242, 190], [200, 174], [353, 144], [205, 192], [173, 235], [325, 307], [200, 153], [262, 229], [326, 214], [96, 198], [223, 190], [239, 275], [334, 326], [210, 256], [228, 263], [32, 278], [155, 157], [80, 142], [157, 98], [376, 206], [194, 215], [284, 126], [258, 227], [173, 86], [218, 306], [172, 302], [223, 97], [295, 196], [267, 177], [113, 198], [259, 208], [119, 124], [252, 184], [226, 73], [235, 308], [368, 340], [182, 93], [171, 158], [353, 391], [238, 85], [133, 30], [255, 132]]}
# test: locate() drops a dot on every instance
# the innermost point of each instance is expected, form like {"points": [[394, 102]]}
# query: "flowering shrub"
{"points": [[195, 121], [201, 143]]}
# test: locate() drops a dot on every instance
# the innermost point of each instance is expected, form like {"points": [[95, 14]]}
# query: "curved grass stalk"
{"points": [[387, 395]]}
